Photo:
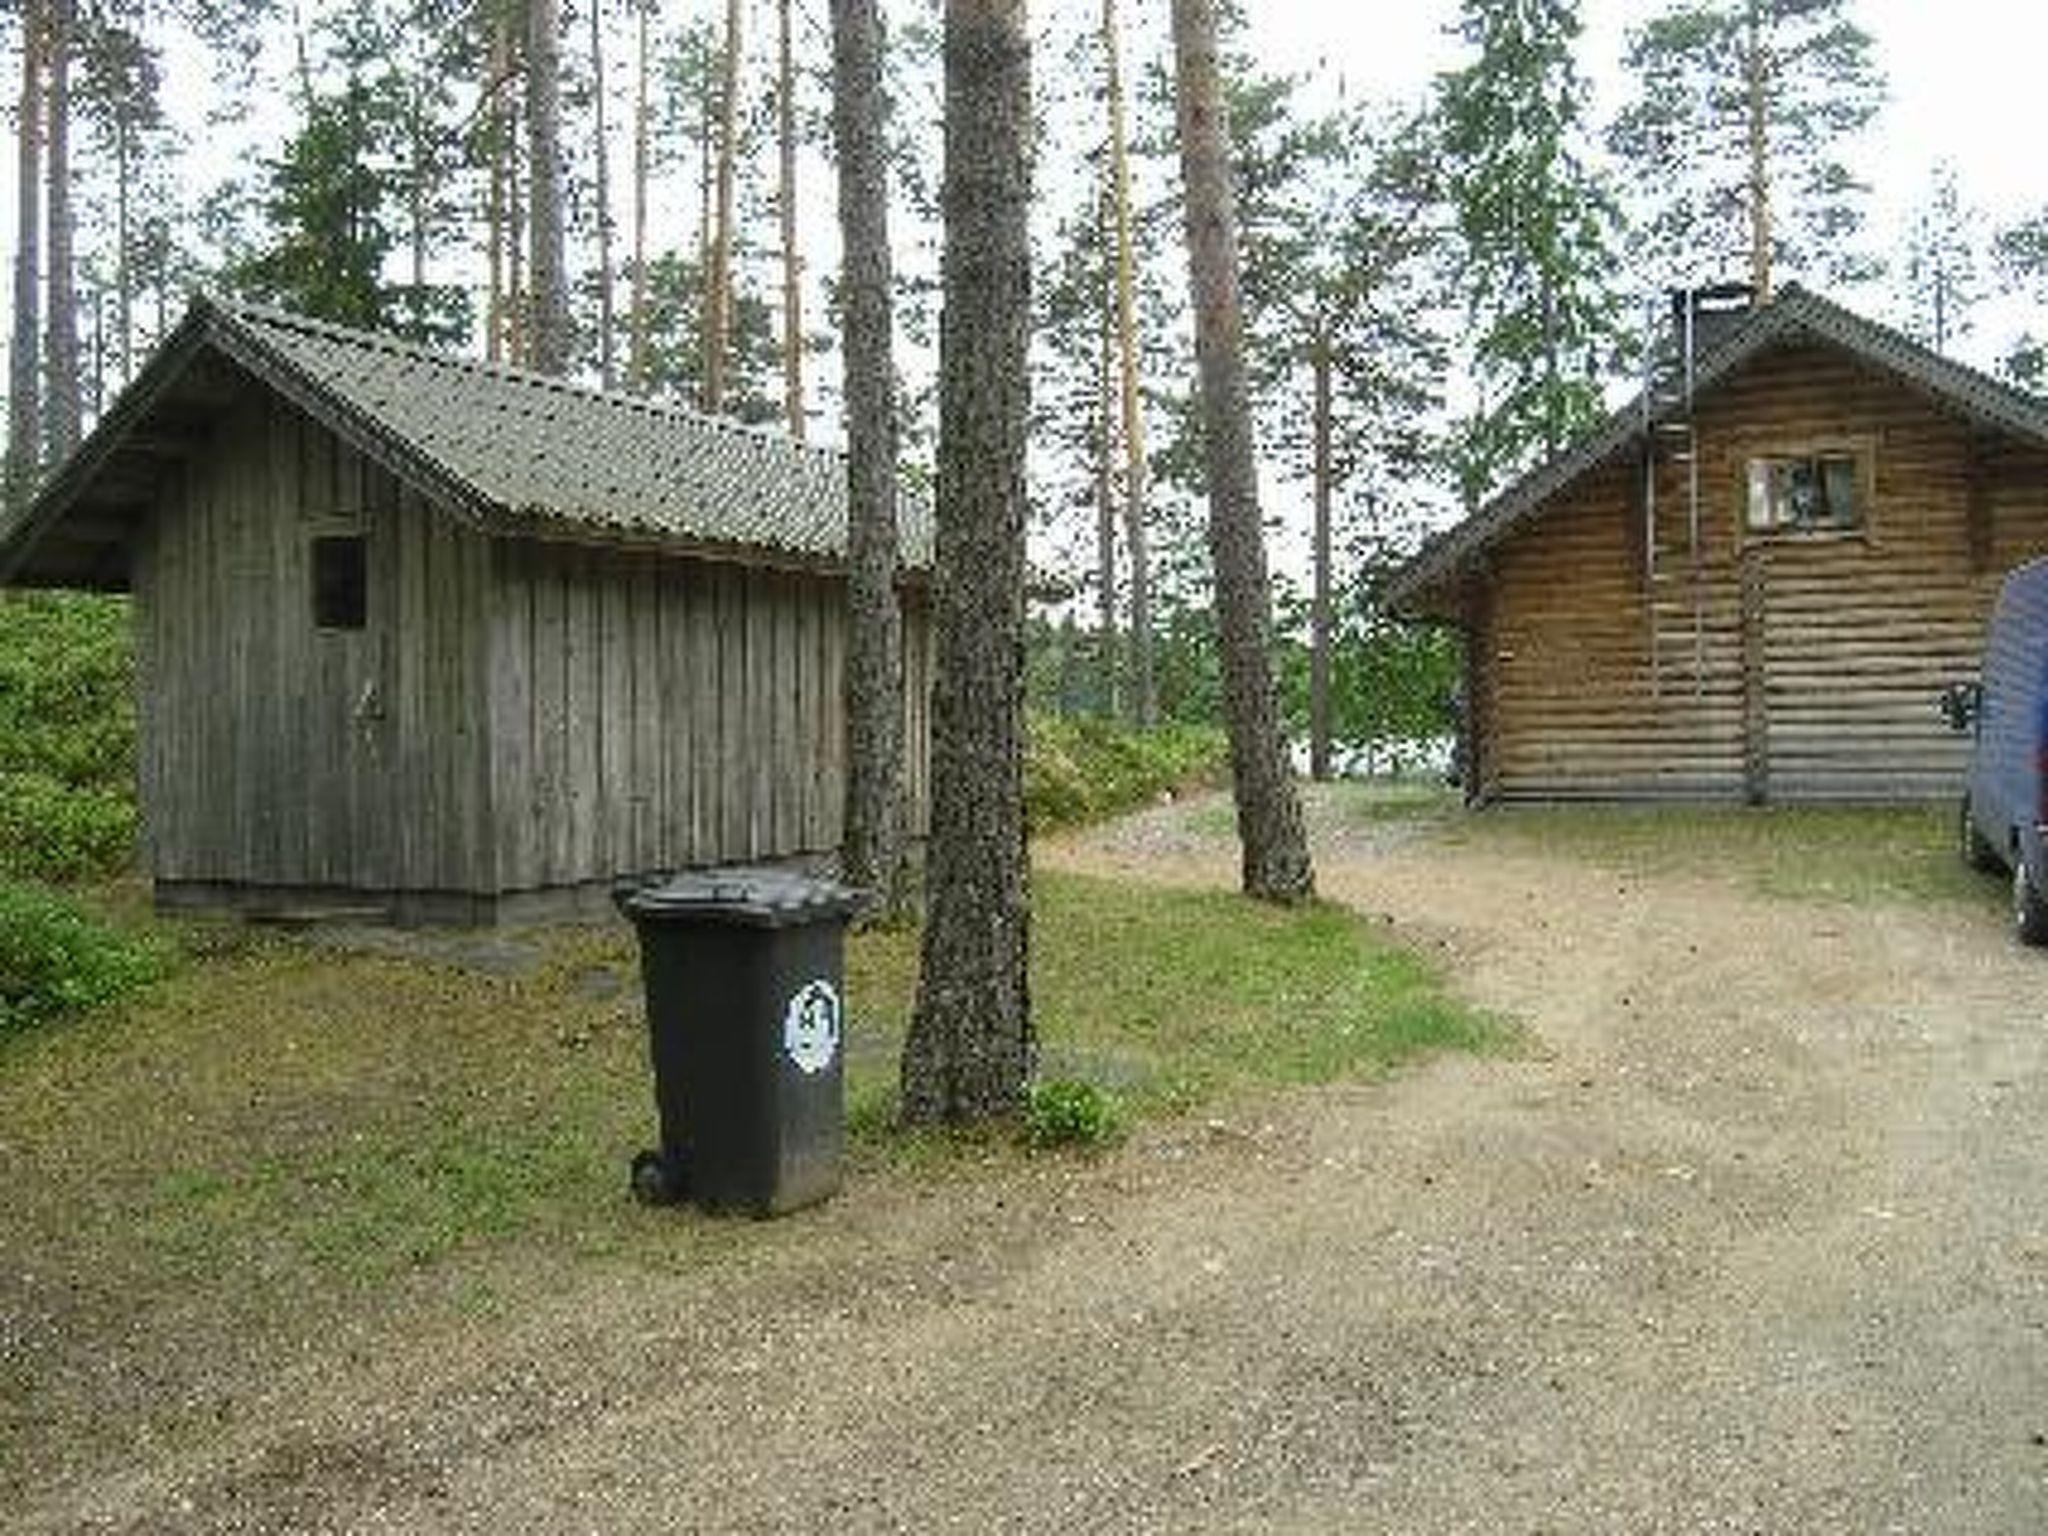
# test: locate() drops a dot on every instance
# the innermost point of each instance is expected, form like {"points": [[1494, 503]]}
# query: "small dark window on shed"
{"points": [[340, 583]]}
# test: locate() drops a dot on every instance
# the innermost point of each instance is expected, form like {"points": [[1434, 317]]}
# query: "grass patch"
{"points": [[1165, 998], [1806, 853], [288, 1111], [359, 1131]]}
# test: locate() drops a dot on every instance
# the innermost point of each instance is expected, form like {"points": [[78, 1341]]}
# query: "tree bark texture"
{"points": [[548, 347], [792, 259], [1105, 499], [970, 1051], [61, 381], [601, 193], [1275, 851], [499, 139], [636, 323], [1144, 693], [1320, 616], [24, 371], [1756, 72], [872, 850], [718, 276]]}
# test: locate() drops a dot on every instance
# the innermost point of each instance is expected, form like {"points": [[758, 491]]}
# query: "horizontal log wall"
{"points": [[1787, 667], [279, 755], [654, 714]]}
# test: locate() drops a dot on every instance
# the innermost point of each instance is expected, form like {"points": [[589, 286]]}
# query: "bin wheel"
{"points": [[655, 1181]]}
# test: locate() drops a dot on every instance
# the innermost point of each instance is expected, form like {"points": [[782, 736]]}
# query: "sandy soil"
{"points": [[1752, 1237]]}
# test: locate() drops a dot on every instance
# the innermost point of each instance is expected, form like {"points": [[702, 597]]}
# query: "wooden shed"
{"points": [[1752, 582], [453, 641]]}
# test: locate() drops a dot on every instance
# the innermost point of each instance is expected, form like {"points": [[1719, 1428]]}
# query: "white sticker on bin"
{"points": [[810, 1027]]}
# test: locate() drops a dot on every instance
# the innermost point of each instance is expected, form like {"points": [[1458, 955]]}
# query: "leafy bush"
{"points": [[1081, 770], [1066, 1112], [67, 735], [53, 831], [55, 960]]}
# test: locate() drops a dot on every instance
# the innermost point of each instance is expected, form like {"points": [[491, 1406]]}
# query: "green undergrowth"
{"points": [[58, 959], [67, 736], [1079, 769]]}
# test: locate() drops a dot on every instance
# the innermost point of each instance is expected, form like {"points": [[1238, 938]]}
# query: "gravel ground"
{"points": [[1752, 1237]]}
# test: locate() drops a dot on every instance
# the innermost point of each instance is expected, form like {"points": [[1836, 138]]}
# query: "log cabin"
{"points": [[1752, 582], [436, 640]]}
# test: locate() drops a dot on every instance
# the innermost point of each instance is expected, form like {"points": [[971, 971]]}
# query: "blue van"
{"points": [[2005, 808]]}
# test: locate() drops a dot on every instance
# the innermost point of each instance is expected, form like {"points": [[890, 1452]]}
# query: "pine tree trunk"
{"points": [[548, 345], [970, 1051], [416, 201], [124, 240], [61, 397], [1144, 699], [1275, 851], [792, 263], [1756, 81], [718, 279], [602, 197], [495, 306], [1320, 625], [871, 852], [24, 372], [1105, 490], [636, 324]]}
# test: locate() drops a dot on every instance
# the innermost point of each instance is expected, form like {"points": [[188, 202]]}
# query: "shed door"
{"points": [[349, 806]]}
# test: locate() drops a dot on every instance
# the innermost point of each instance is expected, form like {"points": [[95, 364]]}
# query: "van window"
{"points": [[1805, 493]]}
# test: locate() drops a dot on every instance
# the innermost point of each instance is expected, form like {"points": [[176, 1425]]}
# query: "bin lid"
{"points": [[755, 896]]}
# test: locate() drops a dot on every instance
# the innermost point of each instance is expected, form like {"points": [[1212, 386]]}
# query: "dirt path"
{"points": [[1754, 1237]]}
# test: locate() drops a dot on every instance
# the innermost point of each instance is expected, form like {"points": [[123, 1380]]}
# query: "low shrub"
{"points": [[55, 960], [1066, 1112], [1078, 770], [67, 736], [53, 831]]}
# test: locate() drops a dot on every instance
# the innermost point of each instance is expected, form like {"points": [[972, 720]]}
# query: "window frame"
{"points": [[1860, 450]]}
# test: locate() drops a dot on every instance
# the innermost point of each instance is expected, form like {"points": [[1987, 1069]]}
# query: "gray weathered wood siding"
{"points": [[1800, 667], [273, 753], [655, 713], [514, 716]]}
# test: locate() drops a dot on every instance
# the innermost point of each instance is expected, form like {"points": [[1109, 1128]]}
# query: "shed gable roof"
{"points": [[1795, 315], [508, 450]]}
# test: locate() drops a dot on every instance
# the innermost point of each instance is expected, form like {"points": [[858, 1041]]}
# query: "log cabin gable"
{"points": [[1747, 381]]}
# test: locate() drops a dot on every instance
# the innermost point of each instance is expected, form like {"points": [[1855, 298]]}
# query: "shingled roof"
{"points": [[1793, 317], [506, 450]]}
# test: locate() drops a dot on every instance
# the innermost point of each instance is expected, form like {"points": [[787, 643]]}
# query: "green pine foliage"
{"points": [[1538, 230], [1723, 84]]}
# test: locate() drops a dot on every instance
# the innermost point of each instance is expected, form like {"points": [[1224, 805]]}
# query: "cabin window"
{"points": [[340, 583], [1806, 493]]}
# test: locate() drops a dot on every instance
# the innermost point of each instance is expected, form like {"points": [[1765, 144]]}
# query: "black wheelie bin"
{"points": [[744, 970]]}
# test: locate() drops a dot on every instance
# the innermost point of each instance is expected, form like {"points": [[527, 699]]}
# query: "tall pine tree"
{"points": [[1735, 139], [1536, 227]]}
